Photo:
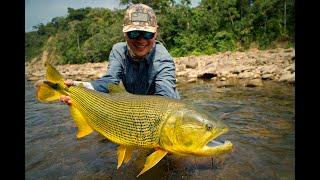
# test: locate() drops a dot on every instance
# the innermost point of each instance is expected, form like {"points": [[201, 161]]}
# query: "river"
{"points": [[262, 129]]}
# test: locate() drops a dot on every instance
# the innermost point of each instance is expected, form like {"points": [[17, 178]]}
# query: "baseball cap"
{"points": [[140, 17]]}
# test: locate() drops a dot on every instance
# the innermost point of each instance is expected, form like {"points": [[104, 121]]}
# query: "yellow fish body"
{"points": [[133, 121]]}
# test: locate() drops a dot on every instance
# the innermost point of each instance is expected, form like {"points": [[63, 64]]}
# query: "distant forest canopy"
{"points": [[88, 34]]}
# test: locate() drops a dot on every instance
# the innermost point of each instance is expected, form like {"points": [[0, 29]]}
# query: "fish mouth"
{"points": [[215, 147], [215, 143]]}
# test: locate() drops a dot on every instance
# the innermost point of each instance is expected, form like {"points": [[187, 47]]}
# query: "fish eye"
{"points": [[209, 127]]}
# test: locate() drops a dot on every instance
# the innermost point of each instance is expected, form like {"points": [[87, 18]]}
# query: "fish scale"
{"points": [[138, 126]]}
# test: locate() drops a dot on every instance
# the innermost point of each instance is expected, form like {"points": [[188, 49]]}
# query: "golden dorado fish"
{"points": [[137, 121]]}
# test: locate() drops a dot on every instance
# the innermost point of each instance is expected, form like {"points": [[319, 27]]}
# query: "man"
{"points": [[142, 64]]}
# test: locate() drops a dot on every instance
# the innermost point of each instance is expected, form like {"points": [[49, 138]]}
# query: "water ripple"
{"points": [[261, 126]]}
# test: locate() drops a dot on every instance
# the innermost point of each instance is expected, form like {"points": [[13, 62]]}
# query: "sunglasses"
{"points": [[136, 34]]}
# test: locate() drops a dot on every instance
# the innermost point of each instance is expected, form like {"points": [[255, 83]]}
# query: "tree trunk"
{"points": [[78, 42], [230, 18], [266, 18], [265, 24], [285, 16], [240, 9]]}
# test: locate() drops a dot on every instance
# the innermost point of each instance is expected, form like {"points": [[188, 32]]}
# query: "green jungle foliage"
{"points": [[88, 34]]}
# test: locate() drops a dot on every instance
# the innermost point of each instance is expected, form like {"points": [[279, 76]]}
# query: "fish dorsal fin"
{"points": [[114, 88], [53, 75]]}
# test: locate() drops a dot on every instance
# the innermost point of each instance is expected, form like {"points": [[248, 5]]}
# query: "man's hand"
{"points": [[66, 99]]}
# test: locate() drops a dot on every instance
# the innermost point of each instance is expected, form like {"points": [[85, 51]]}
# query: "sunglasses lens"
{"points": [[148, 35], [136, 34], [133, 34]]}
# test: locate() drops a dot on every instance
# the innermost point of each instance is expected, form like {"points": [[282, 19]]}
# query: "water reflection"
{"points": [[261, 122]]}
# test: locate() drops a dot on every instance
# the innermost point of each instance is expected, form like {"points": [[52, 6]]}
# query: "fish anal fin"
{"points": [[83, 128], [152, 160], [128, 154]]}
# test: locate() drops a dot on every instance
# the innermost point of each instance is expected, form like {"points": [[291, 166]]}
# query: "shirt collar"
{"points": [[151, 54]]}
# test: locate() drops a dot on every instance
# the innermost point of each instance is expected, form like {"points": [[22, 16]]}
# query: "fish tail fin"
{"points": [[47, 91], [53, 87], [53, 75]]}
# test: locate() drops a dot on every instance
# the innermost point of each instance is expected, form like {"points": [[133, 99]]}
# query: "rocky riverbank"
{"points": [[249, 68]]}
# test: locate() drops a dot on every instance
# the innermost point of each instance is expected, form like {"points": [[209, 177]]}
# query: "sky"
{"points": [[42, 11]]}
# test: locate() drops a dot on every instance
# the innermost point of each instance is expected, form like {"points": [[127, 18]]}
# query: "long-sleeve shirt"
{"points": [[154, 75]]}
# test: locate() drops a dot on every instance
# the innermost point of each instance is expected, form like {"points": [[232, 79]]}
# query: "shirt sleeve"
{"points": [[113, 74], [85, 84], [165, 80]]}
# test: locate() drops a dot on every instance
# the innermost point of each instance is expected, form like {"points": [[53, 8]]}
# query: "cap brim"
{"points": [[152, 29]]}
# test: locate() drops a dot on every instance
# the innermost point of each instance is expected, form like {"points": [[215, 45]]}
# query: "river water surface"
{"points": [[262, 129]]}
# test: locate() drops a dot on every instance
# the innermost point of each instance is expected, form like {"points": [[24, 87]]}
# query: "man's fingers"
{"points": [[62, 98], [65, 99], [69, 82]]}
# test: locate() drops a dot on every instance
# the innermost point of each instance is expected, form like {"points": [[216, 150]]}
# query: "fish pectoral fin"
{"points": [[121, 152], [83, 127], [152, 160], [124, 154]]}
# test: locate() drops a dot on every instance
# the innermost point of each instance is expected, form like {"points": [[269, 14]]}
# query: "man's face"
{"points": [[140, 46]]}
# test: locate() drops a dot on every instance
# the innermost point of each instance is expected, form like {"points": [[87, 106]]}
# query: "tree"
{"points": [[77, 14], [88, 34], [159, 6], [33, 44]]}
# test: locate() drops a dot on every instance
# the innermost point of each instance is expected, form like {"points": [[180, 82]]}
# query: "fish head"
{"points": [[190, 131]]}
